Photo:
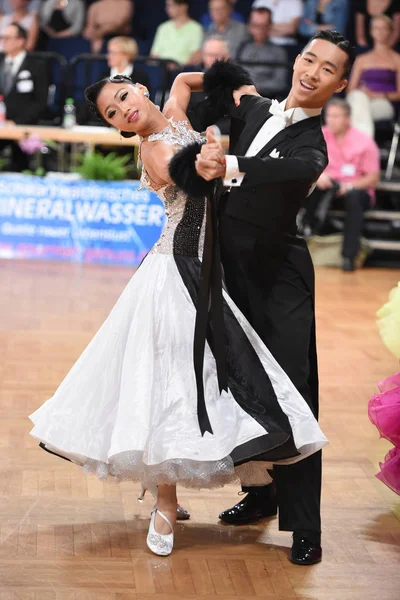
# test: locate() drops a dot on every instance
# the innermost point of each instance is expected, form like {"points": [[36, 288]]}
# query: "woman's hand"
{"points": [[245, 90]]}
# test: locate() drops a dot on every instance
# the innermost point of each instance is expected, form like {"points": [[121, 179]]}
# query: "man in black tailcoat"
{"points": [[272, 166]]}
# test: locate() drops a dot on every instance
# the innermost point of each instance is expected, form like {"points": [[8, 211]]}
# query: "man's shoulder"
{"points": [[166, 26], [194, 25], [276, 50]]}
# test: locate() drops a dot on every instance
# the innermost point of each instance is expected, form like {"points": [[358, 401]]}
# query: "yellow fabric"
{"points": [[389, 321]]}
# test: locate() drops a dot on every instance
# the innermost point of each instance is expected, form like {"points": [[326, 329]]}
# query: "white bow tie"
{"points": [[277, 110]]}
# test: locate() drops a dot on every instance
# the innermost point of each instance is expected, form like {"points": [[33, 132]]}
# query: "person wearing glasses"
{"points": [[24, 86], [27, 19]]}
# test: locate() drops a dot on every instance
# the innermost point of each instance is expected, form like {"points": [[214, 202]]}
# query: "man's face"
{"points": [[337, 119], [318, 73], [259, 26], [12, 44], [220, 11], [214, 50], [174, 10]]}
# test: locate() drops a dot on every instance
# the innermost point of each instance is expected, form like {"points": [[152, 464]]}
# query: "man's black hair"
{"points": [[21, 31]]}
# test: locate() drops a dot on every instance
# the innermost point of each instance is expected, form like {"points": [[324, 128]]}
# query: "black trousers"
{"points": [[281, 310], [354, 203]]}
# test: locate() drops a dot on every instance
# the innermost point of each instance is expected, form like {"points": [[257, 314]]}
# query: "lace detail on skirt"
{"points": [[129, 466]]}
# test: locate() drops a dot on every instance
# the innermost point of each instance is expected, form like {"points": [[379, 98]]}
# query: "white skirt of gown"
{"points": [[128, 407]]}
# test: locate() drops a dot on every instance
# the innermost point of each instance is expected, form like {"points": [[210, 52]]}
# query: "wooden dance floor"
{"points": [[68, 537]]}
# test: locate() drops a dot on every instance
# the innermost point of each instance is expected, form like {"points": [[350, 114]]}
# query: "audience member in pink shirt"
{"points": [[351, 175]]}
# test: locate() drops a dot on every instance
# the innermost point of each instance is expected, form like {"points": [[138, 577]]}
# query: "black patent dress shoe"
{"points": [[305, 552], [249, 510]]}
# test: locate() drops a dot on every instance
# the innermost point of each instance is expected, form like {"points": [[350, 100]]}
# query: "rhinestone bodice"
{"points": [[184, 231]]}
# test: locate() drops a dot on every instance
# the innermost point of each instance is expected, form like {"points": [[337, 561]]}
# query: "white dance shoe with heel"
{"points": [[160, 543]]}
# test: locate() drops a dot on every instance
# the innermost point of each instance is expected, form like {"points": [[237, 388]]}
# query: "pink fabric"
{"points": [[384, 413], [390, 470], [358, 149]]}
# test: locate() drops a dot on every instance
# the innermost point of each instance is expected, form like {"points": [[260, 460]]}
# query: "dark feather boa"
{"points": [[220, 81], [183, 172]]}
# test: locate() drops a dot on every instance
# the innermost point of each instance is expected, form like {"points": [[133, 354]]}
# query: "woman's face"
{"points": [[380, 31], [124, 106], [115, 56]]}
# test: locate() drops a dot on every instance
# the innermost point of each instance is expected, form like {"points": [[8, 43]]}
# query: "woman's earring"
{"points": [[146, 95]]}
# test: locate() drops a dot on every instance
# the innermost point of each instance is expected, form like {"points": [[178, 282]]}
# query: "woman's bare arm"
{"points": [[179, 98]]}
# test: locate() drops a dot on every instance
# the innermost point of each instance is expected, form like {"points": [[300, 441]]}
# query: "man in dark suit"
{"points": [[274, 164], [24, 85]]}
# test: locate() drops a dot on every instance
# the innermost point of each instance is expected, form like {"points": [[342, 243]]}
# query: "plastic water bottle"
{"points": [[2, 112], [69, 120]]}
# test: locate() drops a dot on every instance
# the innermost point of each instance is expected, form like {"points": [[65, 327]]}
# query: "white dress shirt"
{"points": [[16, 62], [280, 119], [127, 71]]}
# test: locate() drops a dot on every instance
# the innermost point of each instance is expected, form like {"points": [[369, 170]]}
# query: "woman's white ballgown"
{"points": [[128, 407]]}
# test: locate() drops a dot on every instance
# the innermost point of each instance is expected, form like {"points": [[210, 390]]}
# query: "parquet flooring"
{"points": [[67, 537]]}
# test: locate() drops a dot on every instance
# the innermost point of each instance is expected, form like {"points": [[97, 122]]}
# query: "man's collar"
{"points": [[18, 58], [299, 114]]}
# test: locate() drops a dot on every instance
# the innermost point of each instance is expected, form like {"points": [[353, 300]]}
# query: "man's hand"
{"points": [[324, 182], [211, 163], [245, 90]]}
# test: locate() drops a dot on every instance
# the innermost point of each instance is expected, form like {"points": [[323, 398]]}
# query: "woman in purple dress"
{"points": [[374, 85]]}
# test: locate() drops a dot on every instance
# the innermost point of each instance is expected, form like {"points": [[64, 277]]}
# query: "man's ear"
{"points": [[341, 86], [296, 61]]}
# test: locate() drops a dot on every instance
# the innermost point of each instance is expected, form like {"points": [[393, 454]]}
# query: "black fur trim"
{"points": [[221, 79], [127, 134], [183, 172]]}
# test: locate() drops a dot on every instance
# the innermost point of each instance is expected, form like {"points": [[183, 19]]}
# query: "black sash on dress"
{"points": [[210, 304]]}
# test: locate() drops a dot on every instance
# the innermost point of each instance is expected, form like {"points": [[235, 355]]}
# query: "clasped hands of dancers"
{"points": [[187, 382]]}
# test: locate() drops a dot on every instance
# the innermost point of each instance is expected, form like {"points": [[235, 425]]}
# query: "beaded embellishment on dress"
{"points": [[184, 231]]}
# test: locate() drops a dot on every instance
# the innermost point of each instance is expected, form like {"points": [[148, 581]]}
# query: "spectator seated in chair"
{"points": [[206, 19], [27, 20], [24, 85], [60, 19], [107, 18], [7, 9], [223, 24], [323, 14], [349, 180], [366, 10], [271, 81], [179, 38], [374, 84], [121, 55], [286, 16]]}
